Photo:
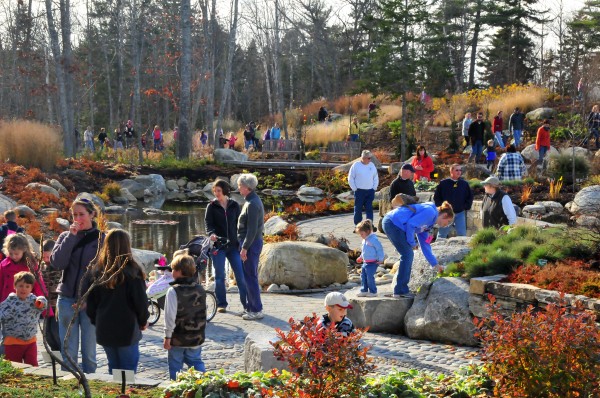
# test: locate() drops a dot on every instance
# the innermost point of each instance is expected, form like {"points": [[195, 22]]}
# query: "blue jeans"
{"points": [[367, 277], [233, 255], [82, 326], [460, 224], [476, 150], [398, 239], [517, 137], [543, 150], [177, 356], [250, 267], [126, 358], [363, 198], [353, 137], [247, 143], [499, 140]]}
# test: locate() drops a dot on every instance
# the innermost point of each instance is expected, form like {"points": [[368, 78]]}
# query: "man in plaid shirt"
{"points": [[511, 166]]}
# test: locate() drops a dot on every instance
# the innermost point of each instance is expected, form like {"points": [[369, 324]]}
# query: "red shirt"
{"points": [[497, 123], [426, 163], [8, 270], [542, 138]]}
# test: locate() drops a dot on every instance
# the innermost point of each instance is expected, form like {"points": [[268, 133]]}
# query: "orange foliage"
{"points": [[382, 155], [33, 228]]}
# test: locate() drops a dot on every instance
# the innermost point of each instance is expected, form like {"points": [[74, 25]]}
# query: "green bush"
{"points": [[562, 166], [475, 183], [485, 236], [7, 370]]}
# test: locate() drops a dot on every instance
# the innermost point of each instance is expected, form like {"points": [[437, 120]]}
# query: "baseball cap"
{"points": [[366, 154], [408, 166], [337, 298], [491, 181]]}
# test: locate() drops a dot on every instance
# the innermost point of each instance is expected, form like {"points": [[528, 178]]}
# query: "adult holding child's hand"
{"points": [[74, 251]]}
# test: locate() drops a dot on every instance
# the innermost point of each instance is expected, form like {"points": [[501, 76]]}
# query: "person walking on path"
{"points": [[401, 224], [371, 256], [457, 192], [516, 124], [466, 123], [250, 229], [404, 182], [542, 141], [221, 219], [74, 251], [593, 121], [497, 209], [497, 129], [422, 164], [88, 138], [363, 180], [511, 165], [118, 308], [476, 134]]}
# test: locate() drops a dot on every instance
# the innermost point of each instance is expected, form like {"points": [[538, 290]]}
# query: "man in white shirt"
{"points": [[363, 180]]}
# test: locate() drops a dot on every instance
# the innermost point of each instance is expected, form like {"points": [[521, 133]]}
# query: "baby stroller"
{"points": [[200, 247]]}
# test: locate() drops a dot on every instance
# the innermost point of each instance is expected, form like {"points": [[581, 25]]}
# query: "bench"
{"points": [[341, 149], [289, 147]]}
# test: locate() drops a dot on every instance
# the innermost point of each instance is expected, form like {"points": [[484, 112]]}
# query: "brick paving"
{"points": [[226, 333]]}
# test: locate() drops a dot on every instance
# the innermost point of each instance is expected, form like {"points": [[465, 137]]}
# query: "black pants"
{"points": [[51, 332]]}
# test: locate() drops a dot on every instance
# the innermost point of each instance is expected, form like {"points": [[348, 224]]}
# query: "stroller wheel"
{"points": [[211, 305], [154, 311]]}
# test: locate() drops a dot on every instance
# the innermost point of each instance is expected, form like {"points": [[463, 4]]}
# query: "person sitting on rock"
{"points": [[337, 307]]}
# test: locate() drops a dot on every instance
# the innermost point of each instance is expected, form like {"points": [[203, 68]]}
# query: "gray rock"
{"points": [[93, 198], [1, 179], [114, 210], [541, 113], [126, 194], [145, 258], [6, 203], [588, 221], [441, 313], [172, 185], [275, 226], [309, 199], [120, 200], [233, 181], [346, 196], [64, 224], [301, 265], [181, 182], [579, 152], [587, 201], [534, 209], [57, 185], [35, 245], [24, 211], [381, 314], [550, 206], [315, 238], [273, 288], [43, 188], [73, 173], [208, 187], [284, 288], [155, 183], [282, 192], [229, 155], [191, 185], [530, 154], [49, 210], [306, 190], [258, 352], [394, 168], [425, 196], [114, 225], [478, 171], [198, 193], [134, 187]]}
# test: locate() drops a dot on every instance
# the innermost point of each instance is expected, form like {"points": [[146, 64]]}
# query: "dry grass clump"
{"points": [[30, 144], [356, 102], [311, 110], [388, 113], [322, 133]]}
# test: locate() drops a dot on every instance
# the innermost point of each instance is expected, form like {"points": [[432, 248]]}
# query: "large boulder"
{"points": [[587, 201], [541, 114], [306, 190], [258, 353], [7, 203], [57, 185], [441, 313], [275, 226], [229, 155], [478, 171], [154, 183], [126, 194], [172, 185], [380, 314], [301, 265], [579, 151], [43, 188], [530, 154], [93, 198], [24, 211], [134, 187]]}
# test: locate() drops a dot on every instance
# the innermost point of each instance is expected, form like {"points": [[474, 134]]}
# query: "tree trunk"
{"points": [[90, 77], [276, 72], [119, 22], [47, 89], [210, 101], [265, 63], [227, 83], [476, 30], [184, 138], [137, 36]]}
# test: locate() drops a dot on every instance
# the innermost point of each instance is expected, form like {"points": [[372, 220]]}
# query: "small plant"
{"points": [[526, 193], [332, 182], [562, 165], [323, 362], [551, 353], [555, 187], [7, 370]]}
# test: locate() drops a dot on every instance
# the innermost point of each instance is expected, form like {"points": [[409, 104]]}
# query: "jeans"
{"points": [[126, 358], [247, 143], [476, 150], [596, 134], [398, 239], [517, 137], [233, 255], [250, 267], [82, 326], [498, 139], [89, 145], [353, 137], [156, 145], [177, 356], [363, 198], [460, 224], [367, 278], [542, 152]]}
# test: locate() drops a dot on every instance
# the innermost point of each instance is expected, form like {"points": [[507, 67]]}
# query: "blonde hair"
{"points": [[185, 264], [20, 242], [446, 209], [365, 226]]}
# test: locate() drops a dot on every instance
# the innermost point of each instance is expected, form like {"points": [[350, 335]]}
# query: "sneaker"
{"points": [[363, 294], [371, 294], [221, 309], [253, 316]]}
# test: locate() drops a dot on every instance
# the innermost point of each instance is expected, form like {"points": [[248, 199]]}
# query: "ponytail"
{"points": [[446, 209]]}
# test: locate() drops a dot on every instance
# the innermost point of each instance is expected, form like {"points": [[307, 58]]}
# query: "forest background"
{"points": [[216, 63]]}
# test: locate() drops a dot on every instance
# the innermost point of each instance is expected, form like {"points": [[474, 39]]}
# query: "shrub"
{"points": [[551, 353], [323, 362], [332, 182], [30, 144], [562, 166], [112, 190], [485, 236], [7, 370]]}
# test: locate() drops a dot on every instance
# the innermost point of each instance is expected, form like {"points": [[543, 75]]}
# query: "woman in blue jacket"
{"points": [[401, 224]]}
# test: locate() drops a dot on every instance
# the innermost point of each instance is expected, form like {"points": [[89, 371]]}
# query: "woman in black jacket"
{"points": [[221, 221], [118, 306]]}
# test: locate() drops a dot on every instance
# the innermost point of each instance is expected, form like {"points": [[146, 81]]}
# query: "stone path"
{"points": [[226, 333]]}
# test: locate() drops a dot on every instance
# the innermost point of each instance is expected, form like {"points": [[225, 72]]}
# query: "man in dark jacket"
{"points": [[516, 123], [404, 182], [458, 193], [476, 134]]}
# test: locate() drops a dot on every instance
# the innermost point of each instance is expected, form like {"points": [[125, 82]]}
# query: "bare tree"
{"points": [[184, 138]]}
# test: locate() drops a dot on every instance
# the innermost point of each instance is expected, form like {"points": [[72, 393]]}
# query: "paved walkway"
{"points": [[226, 333]]}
